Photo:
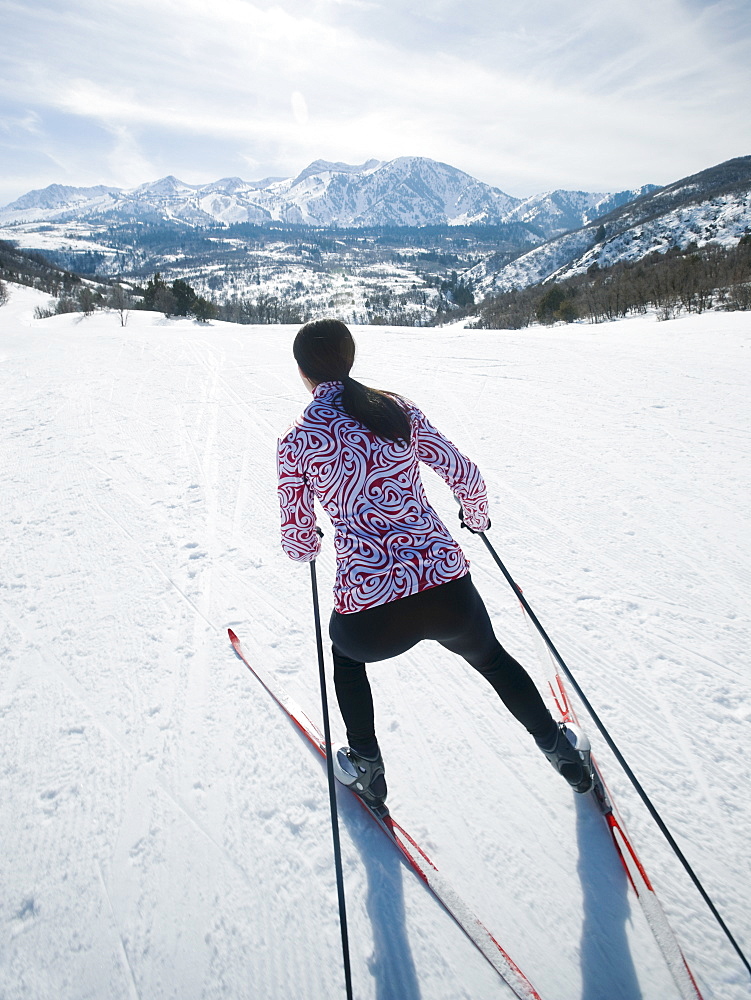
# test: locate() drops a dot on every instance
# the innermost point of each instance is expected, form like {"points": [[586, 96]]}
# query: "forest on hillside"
{"points": [[679, 281]]}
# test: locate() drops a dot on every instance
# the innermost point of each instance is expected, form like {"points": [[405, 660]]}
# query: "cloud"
{"points": [[29, 122], [527, 95], [127, 163], [299, 108]]}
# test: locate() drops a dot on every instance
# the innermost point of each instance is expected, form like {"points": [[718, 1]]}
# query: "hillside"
{"points": [[713, 206], [33, 269], [665, 285], [165, 829]]}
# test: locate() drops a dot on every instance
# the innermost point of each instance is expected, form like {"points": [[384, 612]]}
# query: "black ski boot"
{"points": [[365, 776], [570, 756]]}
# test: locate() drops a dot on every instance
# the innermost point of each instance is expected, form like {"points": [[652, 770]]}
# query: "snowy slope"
{"points": [[165, 830], [533, 266], [723, 220], [713, 206], [47, 202], [407, 191], [556, 212]]}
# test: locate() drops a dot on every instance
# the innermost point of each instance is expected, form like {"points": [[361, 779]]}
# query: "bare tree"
{"points": [[87, 300], [120, 301]]}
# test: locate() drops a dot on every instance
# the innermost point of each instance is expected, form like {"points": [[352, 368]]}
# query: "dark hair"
{"points": [[325, 351]]}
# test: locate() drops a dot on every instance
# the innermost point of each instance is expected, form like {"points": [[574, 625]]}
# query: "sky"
{"points": [[527, 95]]}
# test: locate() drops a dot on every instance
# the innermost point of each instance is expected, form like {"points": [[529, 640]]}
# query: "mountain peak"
{"points": [[228, 185], [168, 185], [331, 167], [56, 196]]}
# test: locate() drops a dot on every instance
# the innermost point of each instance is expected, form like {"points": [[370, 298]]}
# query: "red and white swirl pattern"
{"points": [[389, 541]]}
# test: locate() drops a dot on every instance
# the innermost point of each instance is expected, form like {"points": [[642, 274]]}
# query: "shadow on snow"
{"points": [[391, 963], [608, 971]]}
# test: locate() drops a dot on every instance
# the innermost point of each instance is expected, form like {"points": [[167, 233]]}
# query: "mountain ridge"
{"points": [[405, 191], [713, 205]]}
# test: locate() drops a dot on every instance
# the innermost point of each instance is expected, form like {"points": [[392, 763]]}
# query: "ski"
{"points": [[635, 871], [413, 854]]}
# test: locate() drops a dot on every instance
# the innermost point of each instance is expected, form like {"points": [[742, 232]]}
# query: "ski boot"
{"points": [[570, 756], [365, 776]]}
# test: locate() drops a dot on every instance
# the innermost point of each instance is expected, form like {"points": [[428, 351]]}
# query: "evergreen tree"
{"points": [[164, 300], [185, 297], [153, 288], [204, 310], [87, 299], [549, 304]]}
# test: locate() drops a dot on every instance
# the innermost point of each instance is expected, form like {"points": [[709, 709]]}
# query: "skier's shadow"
{"points": [[391, 963], [608, 971]]}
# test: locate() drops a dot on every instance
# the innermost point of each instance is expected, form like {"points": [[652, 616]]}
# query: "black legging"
{"points": [[454, 614]]}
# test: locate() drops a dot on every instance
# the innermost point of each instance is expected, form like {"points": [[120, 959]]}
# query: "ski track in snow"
{"points": [[165, 830]]}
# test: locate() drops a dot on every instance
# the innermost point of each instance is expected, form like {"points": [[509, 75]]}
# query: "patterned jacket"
{"points": [[389, 541]]}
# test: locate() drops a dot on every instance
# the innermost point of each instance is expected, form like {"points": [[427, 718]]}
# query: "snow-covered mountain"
{"points": [[56, 198], [713, 206], [556, 212], [407, 191], [410, 190]]}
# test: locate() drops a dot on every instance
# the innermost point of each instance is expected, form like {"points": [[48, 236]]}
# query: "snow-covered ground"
{"points": [[165, 830]]}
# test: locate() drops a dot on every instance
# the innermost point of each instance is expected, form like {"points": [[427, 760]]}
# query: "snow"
{"points": [[723, 219], [165, 829], [408, 190]]}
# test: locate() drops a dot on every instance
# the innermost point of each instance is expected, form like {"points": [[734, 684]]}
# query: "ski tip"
{"points": [[232, 637]]}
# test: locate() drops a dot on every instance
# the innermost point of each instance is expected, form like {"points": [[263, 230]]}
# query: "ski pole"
{"points": [[618, 755], [332, 785]]}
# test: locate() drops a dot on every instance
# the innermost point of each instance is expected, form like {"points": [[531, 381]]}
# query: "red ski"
{"points": [[417, 859]]}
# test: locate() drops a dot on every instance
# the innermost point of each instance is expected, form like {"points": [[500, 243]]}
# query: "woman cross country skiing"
{"points": [[401, 577]]}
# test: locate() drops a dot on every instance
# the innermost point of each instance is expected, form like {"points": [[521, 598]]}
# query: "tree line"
{"points": [[678, 281], [691, 280], [177, 299], [26, 267]]}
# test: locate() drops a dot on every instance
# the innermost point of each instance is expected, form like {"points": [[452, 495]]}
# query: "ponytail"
{"points": [[325, 352], [379, 411]]}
